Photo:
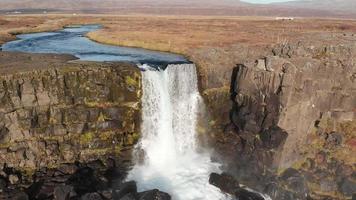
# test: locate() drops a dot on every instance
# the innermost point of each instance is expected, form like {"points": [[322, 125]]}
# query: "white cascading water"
{"points": [[170, 105]]}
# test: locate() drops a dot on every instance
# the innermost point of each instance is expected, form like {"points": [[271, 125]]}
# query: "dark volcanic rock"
{"points": [[243, 194], [295, 181], [91, 196], [106, 194], [125, 189], [64, 192], [71, 180], [128, 197], [154, 195], [229, 185], [84, 181], [224, 182], [3, 183], [35, 189], [273, 137], [114, 175], [13, 195], [275, 191]]}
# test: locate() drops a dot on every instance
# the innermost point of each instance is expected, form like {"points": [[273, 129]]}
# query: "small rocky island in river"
{"points": [[179, 100]]}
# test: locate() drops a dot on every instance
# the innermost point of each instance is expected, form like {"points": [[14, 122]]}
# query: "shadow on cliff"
{"points": [[252, 139]]}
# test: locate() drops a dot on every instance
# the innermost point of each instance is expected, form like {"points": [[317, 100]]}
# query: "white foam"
{"points": [[170, 104]]}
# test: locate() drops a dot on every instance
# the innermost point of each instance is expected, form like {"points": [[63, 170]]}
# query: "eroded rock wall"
{"points": [[292, 94], [294, 110], [67, 113]]}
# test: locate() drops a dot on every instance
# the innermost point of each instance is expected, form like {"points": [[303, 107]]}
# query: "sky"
{"points": [[264, 1]]}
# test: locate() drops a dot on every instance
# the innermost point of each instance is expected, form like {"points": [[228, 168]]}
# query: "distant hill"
{"points": [[105, 4], [91, 4], [304, 8], [336, 6]]}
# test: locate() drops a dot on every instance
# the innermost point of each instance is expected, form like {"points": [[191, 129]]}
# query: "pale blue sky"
{"points": [[264, 1]]}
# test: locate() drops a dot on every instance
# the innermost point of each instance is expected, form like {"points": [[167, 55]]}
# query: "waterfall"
{"points": [[170, 105]]}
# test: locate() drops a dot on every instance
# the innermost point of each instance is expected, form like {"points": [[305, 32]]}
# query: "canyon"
{"points": [[280, 115]]}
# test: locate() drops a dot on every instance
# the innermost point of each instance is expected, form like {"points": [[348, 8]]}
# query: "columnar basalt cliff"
{"points": [[293, 119], [66, 112]]}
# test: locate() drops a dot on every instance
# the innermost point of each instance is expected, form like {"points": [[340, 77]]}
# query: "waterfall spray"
{"points": [[170, 105]]}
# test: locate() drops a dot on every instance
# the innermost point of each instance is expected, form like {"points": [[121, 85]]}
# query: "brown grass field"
{"points": [[213, 43]]}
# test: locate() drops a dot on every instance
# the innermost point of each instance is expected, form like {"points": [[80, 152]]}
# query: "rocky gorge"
{"points": [[284, 123]]}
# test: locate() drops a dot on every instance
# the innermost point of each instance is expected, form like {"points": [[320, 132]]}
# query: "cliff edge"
{"points": [[55, 111]]}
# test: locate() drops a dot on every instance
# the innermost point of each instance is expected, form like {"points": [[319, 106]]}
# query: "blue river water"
{"points": [[72, 40]]}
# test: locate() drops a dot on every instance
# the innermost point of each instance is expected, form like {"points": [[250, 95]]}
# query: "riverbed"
{"points": [[72, 40]]}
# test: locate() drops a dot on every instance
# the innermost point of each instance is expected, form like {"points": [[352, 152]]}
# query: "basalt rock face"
{"points": [[229, 185], [94, 180], [67, 112], [295, 109]]}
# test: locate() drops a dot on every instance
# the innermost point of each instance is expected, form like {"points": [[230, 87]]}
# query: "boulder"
{"points": [[154, 195], [83, 181], [128, 196], [106, 194], [46, 191], [34, 189], [224, 182], [91, 196], [64, 192], [125, 189], [244, 194], [229, 185]]}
